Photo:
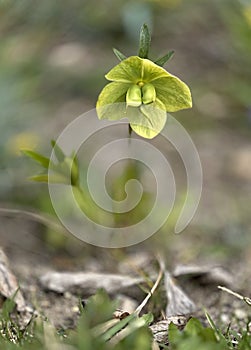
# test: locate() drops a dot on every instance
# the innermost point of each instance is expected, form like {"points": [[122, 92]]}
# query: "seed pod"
{"points": [[133, 96], [148, 93]]}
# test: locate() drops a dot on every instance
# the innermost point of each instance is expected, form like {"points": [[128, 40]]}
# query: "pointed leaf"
{"points": [[39, 178], [58, 151], [162, 60], [119, 54], [144, 41], [193, 326], [44, 161], [118, 327], [54, 178]]}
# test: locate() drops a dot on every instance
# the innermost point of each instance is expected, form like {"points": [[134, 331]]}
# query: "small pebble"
{"points": [[240, 314], [225, 318]]}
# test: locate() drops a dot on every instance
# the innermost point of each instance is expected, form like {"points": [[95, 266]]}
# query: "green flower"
{"points": [[148, 92]]}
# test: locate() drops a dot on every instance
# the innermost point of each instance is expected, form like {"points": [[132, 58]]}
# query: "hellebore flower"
{"points": [[143, 92]]}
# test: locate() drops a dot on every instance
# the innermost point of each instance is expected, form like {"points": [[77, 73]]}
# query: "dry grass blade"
{"points": [[153, 289], [237, 295], [44, 219]]}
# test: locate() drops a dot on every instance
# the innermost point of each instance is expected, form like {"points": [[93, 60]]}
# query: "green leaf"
{"points": [[118, 327], [44, 161], [193, 326], [174, 335], [119, 54], [138, 339], [195, 336], [39, 178], [99, 308], [245, 342], [148, 318], [173, 93], [162, 60], [144, 41], [8, 306], [58, 151], [54, 178]]}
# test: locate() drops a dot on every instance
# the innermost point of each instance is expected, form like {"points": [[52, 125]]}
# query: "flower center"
{"points": [[140, 93], [140, 83]]}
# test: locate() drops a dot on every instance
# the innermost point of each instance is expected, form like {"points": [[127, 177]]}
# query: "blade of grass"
{"points": [[118, 327]]}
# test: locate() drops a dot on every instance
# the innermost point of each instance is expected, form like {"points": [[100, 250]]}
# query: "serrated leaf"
{"points": [[44, 161], [162, 60], [119, 54]]}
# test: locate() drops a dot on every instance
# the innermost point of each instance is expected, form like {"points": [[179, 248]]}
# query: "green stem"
{"points": [[129, 130]]}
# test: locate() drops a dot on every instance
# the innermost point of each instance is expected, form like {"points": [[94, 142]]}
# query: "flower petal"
{"points": [[152, 71], [148, 120], [108, 106], [135, 69], [173, 93]]}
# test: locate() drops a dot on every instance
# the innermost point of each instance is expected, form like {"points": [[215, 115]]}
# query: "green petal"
{"points": [[148, 120], [135, 69], [151, 71], [108, 106], [173, 93]]}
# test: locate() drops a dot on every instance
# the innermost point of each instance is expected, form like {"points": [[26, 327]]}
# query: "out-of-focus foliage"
{"points": [[98, 330], [96, 326]]}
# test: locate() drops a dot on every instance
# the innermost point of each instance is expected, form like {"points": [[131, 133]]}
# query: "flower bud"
{"points": [[148, 93], [133, 96]]}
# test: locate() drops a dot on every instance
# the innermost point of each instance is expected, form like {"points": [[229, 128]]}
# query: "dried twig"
{"points": [[154, 287], [237, 295]]}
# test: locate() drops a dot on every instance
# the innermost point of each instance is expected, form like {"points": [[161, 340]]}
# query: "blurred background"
{"points": [[53, 57]]}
